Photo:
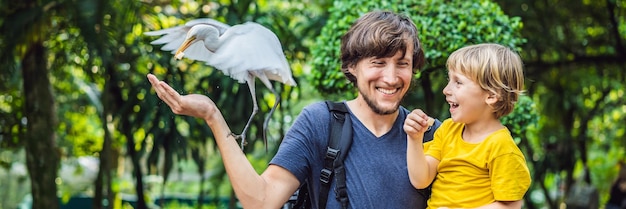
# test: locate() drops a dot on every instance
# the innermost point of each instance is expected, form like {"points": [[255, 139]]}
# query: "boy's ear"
{"points": [[492, 98]]}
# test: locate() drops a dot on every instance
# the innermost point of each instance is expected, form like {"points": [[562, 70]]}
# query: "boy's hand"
{"points": [[416, 123]]}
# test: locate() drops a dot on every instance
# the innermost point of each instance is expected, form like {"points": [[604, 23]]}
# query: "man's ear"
{"points": [[352, 70]]}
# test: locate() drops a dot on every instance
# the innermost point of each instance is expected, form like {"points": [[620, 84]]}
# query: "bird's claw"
{"points": [[237, 137]]}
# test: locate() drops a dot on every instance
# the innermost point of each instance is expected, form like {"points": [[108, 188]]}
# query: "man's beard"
{"points": [[372, 104]]}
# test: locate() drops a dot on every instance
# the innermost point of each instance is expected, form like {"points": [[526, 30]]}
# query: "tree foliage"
{"points": [[574, 64]]}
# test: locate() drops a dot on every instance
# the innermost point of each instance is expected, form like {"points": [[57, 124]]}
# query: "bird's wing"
{"points": [[222, 27], [172, 38], [252, 47]]}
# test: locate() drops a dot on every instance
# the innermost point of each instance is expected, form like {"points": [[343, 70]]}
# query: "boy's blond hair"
{"points": [[495, 68]]}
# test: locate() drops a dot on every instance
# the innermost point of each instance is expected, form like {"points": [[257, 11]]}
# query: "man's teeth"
{"points": [[387, 91]]}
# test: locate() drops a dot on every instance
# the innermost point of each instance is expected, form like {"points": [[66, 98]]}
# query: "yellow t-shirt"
{"points": [[471, 175]]}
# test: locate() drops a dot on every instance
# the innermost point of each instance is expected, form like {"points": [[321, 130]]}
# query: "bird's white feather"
{"points": [[172, 38], [243, 48], [257, 49], [208, 21]]}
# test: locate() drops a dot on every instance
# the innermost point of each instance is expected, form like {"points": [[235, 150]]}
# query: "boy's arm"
{"points": [[422, 169]]}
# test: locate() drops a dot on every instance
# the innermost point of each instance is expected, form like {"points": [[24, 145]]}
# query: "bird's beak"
{"points": [[179, 53]]}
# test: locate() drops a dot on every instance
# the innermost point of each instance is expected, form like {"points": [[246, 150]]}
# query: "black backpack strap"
{"points": [[339, 143], [301, 199]]}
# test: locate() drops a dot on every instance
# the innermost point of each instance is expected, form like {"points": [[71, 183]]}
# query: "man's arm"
{"points": [[503, 205], [497, 205], [269, 190]]}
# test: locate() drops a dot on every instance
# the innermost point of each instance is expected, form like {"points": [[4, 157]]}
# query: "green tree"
{"points": [[26, 39], [574, 62], [72, 37]]}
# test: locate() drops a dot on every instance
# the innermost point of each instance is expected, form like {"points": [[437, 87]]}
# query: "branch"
{"points": [[540, 65], [614, 28]]}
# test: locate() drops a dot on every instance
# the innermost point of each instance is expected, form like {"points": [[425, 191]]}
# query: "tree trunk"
{"points": [[103, 196], [134, 156], [42, 154]]}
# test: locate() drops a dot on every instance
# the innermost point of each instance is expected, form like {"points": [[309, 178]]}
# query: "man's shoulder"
{"points": [[320, 106], [315, 111], [315, 107]]}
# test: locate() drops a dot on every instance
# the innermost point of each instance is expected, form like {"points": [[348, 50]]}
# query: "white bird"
{"points": [[244, 52]]}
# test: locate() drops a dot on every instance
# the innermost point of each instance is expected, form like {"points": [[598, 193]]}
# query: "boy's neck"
{"points": [[477, 131]]}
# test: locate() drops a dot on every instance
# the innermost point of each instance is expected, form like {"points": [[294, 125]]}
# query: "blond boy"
{"points": [[472, 159]]}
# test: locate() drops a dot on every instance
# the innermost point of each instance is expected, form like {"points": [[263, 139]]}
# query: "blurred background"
{"points": [[80, 126]]}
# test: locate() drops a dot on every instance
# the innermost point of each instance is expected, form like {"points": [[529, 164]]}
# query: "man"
{"points": [[380, 55]]}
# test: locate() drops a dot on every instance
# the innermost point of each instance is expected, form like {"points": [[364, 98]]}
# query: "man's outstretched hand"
{"points": [[195, 105]]}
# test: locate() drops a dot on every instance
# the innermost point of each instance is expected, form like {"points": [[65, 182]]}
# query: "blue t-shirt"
{"points": [[376, 169]]}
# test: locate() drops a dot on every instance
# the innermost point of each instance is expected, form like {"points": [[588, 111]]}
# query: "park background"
{"points": [[79, 121]]}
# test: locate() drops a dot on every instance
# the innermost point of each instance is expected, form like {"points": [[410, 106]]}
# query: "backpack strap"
{"points": [[339, 143]]}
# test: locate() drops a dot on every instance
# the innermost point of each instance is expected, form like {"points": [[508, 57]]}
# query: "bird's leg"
{"points": [[255, 109], [267, 119]]}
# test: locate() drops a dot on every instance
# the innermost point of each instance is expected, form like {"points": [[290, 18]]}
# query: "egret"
{"points": [[244, 52]]}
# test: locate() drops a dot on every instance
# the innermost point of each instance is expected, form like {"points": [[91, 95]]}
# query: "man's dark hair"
{"points": [[379, 34]]}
